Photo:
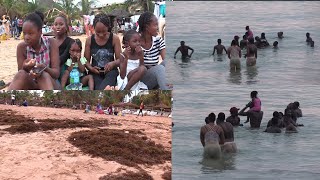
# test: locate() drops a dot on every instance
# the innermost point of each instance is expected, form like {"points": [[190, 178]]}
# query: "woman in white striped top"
{"points": [[153, 47]]}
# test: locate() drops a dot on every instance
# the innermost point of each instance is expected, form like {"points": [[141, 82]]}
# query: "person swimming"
{"points": [[275, 44], [263, 40], [309, 39], [280, 35], [274, 126]]}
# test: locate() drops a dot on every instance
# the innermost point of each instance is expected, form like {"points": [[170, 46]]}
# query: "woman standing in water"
{"points": [[251, 53], [153, 46]]}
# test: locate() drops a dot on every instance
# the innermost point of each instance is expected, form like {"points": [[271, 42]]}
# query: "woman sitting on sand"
{"points": [[102, 48], [60, 29], [153, 46], [37, 57]]}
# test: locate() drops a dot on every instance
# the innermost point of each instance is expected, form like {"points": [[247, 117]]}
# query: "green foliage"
{"points": [[70, 98], [114, 6], [155, 97]]}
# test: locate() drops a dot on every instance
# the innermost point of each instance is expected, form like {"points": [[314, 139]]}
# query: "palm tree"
{"points": [[8, 5], [69, 8], [85, 6]]}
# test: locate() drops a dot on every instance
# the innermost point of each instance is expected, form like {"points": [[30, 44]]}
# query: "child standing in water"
{"points": [[254, 104], [76, 61], [131, 64]]}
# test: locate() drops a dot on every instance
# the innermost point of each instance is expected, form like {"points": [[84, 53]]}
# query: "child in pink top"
{"points": [[254, 104]]}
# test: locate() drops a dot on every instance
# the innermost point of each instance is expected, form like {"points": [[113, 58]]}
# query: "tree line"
{"points": [[154, 98]]}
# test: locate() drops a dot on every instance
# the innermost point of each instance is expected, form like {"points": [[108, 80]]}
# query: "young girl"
{"points": [[131, 63], [255, 104], [80, 63], [153, 47], [60, 29], [37, 57]]}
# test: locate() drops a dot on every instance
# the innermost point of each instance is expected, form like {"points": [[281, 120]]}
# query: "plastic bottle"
{"points": [[74, 76]]}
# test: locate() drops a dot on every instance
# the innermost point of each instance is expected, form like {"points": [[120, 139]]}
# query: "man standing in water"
{"points": [[219, 48], [251, 53], [184, 51], [211, 136], [229, 145]]}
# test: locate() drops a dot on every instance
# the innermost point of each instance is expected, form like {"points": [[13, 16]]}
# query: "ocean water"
{"points": [[200, 24], [203, 85], [261, 155]]}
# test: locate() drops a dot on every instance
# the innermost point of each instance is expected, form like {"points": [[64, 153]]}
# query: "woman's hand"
{"points": [[28, 64], [95, 70], [109, 66]]}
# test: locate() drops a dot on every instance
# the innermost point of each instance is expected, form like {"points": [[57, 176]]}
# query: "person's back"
{"points": [[219, 48], [210, 135], [235, 52], [184, 51], [234, 120], [227, 131], [256, 105]]}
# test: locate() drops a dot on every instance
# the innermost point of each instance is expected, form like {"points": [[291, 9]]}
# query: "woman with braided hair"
{"points": [[101, 50], [61, 30], [153, 46]]}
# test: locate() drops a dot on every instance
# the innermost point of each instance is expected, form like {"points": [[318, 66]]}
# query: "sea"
{"points": [[205, 84]]}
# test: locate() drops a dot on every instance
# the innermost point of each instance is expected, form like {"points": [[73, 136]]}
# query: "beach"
{"points": [[49, 154]]}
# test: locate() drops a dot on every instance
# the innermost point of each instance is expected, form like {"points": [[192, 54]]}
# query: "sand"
{"points": [[48, 155]]}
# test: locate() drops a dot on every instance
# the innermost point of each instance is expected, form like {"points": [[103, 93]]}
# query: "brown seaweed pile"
{"points": [[22, 124], [167, 175], [141, 175], [128, 148]]}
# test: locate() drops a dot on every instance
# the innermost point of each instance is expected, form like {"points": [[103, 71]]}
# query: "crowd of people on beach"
{"points": [[218, 138], [55, 63], [249, 42], [10, 28]]}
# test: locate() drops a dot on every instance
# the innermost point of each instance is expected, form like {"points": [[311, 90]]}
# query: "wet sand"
{"points": [[49, 155]]}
